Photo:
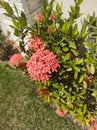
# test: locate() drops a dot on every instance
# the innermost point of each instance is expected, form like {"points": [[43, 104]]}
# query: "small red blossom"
{"points": [[93, 124], [43, 91], [89, 80], [36, 44], [60, 112], [16, 59], [52, 17], [41, 65], [39, 17]]}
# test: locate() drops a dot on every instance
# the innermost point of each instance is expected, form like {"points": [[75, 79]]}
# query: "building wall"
{"points": [[5, 21], [87, 7], [32, 7]]}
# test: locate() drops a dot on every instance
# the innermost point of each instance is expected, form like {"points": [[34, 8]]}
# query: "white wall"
{"points": [[5, 21], [87, 7], [31, 7]]}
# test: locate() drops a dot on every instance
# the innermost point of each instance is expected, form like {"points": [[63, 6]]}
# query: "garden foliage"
{"points": [[60, 58], [6, 47]]}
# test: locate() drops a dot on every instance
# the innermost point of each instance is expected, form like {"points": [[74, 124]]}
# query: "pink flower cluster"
{"points": [[41, 64], [39, 17], [52, 17], [16, 59], [93, 124], [60, 112], [36, 44]]}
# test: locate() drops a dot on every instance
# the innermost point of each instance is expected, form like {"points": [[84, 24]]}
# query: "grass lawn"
{"points": [[20, 109]]}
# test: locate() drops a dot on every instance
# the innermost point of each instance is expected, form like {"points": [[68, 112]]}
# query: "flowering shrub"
{"points": [[61, 58]]}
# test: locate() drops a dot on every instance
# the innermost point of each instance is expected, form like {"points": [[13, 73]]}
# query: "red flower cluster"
{"points": [[39, 17], [16, 59], [60, 112], [41, 64], [52, 17], [36, 44], [93, 124]]}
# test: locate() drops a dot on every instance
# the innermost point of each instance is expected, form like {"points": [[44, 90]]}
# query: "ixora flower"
{"points": [[93, 126], [36, 44], [39, 17], [59, 112], [41, 65], [16, 59], [52, 17]]}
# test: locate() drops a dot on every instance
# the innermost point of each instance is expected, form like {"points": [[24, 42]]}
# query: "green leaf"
{"points": [[55, 85], [16, 32], [7, 15], [95, 94], [65, 27], [8, 8], [65, 49], [63, 44], [78, 62], [44, 3], [81, 78], [74, 52], [16, 9], [75, 74], [80, 2], [57, 50], [69, 104], [51, 3], [76, 68], [66, 57], [58, 9], [23, 20], [72, 45], [88, 45], [92, 69], [69, 69], [75, 30], [16, 23], [84, 84], [83, 31]]}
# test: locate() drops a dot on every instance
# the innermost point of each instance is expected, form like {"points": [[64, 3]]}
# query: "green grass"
{"points": [[20, 108]]}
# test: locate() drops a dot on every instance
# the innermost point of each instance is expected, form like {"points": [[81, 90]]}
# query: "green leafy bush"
{"points": [[71, 85]]}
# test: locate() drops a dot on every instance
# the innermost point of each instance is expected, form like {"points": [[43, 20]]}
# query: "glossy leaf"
{"points": [[66, 57], [72, 45], [23, 20], [95, 94], [92, 69], [65, 27], [8, 8]]}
